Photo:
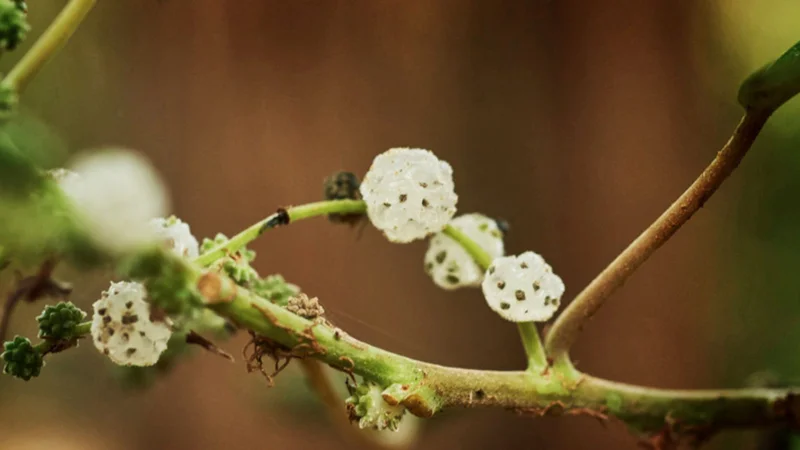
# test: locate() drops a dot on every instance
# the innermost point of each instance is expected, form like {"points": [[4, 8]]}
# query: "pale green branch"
{"points": [[691, 414], [53, 38], [282, 217]]}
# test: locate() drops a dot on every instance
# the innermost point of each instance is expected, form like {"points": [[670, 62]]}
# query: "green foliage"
{"points": [[59, 322], [13, 23], [774, 84], [22, 359]]}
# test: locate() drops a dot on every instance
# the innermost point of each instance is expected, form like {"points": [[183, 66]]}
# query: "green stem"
{"points": [[532, 343], [480, 256], [324, 208], [56, 35], [528, 332], [81, 330], [282, 217], [691, 414]]}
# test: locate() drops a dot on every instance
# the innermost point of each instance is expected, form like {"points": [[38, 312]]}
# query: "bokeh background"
{"points": [[577, 121]]}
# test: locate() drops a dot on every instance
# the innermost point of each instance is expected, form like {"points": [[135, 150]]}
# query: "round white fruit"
{"points": [[522, 288], [409, 194], [446, 261]]}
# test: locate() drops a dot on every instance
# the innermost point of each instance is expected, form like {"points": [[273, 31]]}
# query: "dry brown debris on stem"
{"points": [[195, 339], [258, 347], [303, 306]]}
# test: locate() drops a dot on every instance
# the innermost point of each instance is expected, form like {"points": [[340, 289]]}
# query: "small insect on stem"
{"points": [[343, 186]]}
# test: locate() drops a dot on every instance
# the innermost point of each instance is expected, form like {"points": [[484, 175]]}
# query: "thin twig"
{"points": [[570, 323], [281, 217], [54, 37], [30, 289]]}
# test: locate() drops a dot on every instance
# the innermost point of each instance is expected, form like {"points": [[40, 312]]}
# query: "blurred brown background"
{"points": [[577, 121]]}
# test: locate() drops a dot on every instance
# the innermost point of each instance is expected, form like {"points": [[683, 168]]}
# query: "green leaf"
{"points": [[771, 86]]}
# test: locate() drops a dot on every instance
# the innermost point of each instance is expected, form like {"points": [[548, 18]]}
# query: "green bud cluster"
{"points": [[13, 23], [169, 281], [21, 359], [58, 322], [275, 289], [367, 407], [238, 267]]}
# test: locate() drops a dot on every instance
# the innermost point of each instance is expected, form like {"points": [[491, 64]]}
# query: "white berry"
{"points": [[409, 194], [522, 288], [122, 328], [176, 235], [450, 265], [115, 195]]}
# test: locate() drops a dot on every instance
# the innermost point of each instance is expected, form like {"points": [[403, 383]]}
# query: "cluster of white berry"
{"points": [[450, 265], [409, 194], [121, 201], [122, 327]]}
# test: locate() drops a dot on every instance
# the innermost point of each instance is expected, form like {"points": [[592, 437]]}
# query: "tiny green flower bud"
{"points": [[59, 321], [275, 289], [367, 407], [21, 359], [236, 265], [9, 100], [13, 24], [239, 270], [210, 244]]}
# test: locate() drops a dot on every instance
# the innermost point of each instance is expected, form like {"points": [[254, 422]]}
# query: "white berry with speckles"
{"points": [[409, 194], [522, 288], [122, 328], [176, 235], [446, 261], [114, 196]]}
